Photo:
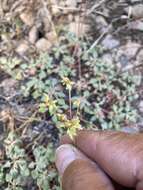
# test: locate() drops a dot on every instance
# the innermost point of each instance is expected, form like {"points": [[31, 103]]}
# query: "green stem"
{"points": [[70, 104]]}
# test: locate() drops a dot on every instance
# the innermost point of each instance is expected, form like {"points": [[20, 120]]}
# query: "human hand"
{"points": [[101, 160]]}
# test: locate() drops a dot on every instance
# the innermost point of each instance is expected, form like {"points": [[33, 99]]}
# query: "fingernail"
{"points": [[65, 155]]}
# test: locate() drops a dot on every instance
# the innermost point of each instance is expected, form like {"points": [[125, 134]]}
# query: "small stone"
{"points": [[130, 49], [33, 35], [126, 54], [71, 3], [107, 57], [136, 11], [43, 44], [52, 37], [62, 3], [45, 15], [27, 18], [22, 48], [54, 2], [79, 1], [135, 1], [123, 60], [101, 23], [32, 71], [141, 106], [136, 25], [139, 57], [9, 86], [70, 17], [109, 42], [55, 10]]}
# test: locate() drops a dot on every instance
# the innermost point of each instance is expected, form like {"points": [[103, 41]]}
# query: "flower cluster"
{"points": [[72, 124], [67, 82]]}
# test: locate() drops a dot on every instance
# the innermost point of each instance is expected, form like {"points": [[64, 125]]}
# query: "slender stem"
{"points": [[70, 103]]}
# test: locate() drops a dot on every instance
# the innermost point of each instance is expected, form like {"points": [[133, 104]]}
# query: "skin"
{"points": [[111, 161]]}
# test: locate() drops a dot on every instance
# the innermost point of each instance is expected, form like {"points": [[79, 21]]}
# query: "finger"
{"points": [[78, 172], [65, 155], [119, 154]]}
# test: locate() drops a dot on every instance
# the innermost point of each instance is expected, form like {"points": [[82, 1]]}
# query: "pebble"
{"points": [[55, 11], [136, 11], [33, 35], [52, 37], [71, 3], [9, 87], [27, 18], [130, 49], [139, 57], [136, 1], [43, 44], [123, 60], [101, 24], [109, 42], [107, 57], [70, 17], [141, 106], [136, 25], [22, 48]]}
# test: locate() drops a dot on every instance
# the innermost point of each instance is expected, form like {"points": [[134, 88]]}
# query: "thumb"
{"points": [[78, 172], [119, 154]]}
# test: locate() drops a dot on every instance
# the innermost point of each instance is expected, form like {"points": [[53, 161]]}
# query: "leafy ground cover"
{"points": [[72, 88], [55, 81]]}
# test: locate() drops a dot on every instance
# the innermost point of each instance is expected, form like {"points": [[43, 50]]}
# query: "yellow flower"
{"points": [[46, 99], [73, 125], [67, 82], [61, 117], [77, 103], [51, 104]]}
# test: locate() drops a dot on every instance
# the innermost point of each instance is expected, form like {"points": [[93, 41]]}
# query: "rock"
{"points": [[45, 17], [71, 3], [109, 42], [33, 35], [9, 87], [101, 24], [27, 18], [139, 58], [107, 57], [54, 2], [123, 60], [130, 49], [43, 44], [70, 17], [126, 54], [136, 1], [136, 11], [140, 106], [55, 10], [22, 48], [52, 37], [136, 25]]}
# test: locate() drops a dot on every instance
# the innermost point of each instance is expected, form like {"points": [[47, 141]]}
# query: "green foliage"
{"points": [[106, 94], [74, 87], [9, 65], [18, 169]]}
